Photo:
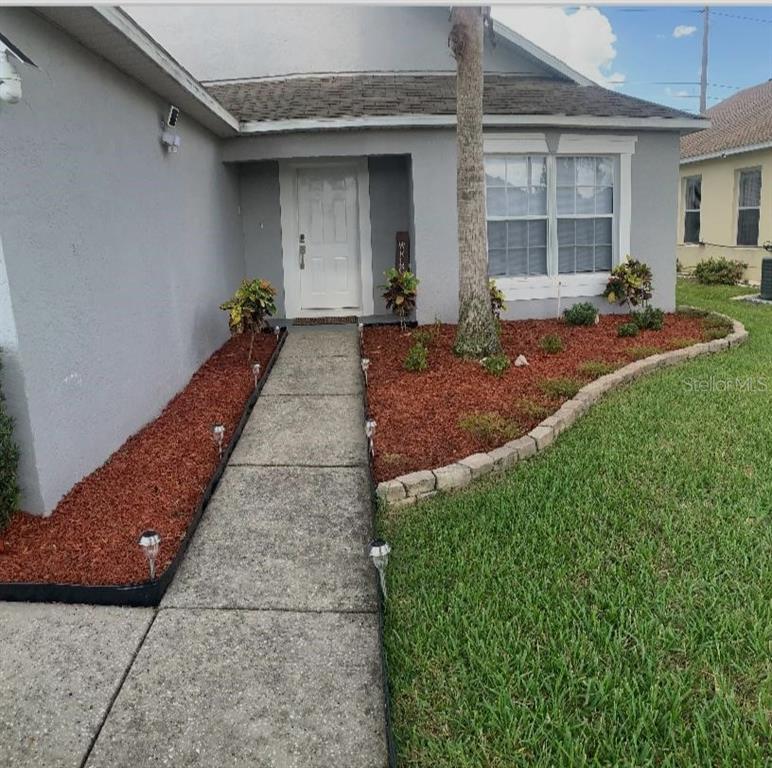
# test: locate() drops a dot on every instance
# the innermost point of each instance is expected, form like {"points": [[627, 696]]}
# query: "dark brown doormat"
{"points": [[325, 320]]}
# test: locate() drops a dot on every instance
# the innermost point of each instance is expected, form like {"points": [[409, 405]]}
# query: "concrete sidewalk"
{"points": [[265, 650]]}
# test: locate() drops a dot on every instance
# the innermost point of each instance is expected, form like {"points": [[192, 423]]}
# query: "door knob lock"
{"points": [[302, 251]]}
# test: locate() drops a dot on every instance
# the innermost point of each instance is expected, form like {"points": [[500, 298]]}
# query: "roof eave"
{"points": [[143, 59], [722, 153], [254, 127]]}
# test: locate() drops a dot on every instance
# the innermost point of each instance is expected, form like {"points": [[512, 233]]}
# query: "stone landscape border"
{"points": [[408, 489]]}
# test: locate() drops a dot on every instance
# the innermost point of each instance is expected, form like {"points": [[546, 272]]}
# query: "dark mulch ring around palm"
{"points": [[455, 408], [153, 481]]}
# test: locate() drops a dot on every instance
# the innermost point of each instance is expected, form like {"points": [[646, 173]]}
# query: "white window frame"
{"points": [[555, 285], [691, 243], [738, 207]]}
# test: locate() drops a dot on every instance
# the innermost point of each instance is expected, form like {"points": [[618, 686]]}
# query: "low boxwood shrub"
{"points": [[496, 365], [596, 368], [720, 271], [583, 313], [489, 427], [628, 329], [551, 343], [561, 387], [417, 358], [9, 462], [649, 318]]}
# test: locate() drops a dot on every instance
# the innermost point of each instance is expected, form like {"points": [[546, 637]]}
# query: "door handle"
{"points": [[302, 251]]}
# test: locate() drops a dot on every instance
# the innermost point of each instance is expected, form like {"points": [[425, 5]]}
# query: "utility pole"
{"points": [[704, 70]]}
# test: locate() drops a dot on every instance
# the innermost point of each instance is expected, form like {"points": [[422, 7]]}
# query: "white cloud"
{"points": [[683, 30], [583, 39]]}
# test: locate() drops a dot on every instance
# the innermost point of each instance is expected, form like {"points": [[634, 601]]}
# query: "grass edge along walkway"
{"points": [[606, 603]]}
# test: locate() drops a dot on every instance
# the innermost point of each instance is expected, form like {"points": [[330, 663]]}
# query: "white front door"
{"points": [[328, 238]]}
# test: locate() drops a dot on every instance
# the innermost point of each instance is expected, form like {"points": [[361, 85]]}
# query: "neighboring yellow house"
{"points": [[725, 197]]}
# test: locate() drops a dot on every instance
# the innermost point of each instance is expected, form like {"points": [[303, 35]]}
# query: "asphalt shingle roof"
{"points": [[304, 98], [742, 120]]}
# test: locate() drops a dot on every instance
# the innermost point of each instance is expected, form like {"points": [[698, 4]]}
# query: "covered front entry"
{"points": [[326, 251]]}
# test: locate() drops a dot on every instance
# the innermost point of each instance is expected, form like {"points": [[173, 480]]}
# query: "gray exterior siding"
{"points": [[117, 255], [261, 217], [218, 42]]}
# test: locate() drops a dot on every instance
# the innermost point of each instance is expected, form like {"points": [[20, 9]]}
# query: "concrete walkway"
{"points": [[265, 650]]}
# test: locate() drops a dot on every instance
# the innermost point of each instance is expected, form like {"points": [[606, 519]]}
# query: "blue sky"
{"points": [[649, 55], [653, 51]]}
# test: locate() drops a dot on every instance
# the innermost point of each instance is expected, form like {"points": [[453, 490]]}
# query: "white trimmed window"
{"points": [[585, 214], [692, 205], [558, 212], [748, 206], [516, 194]]}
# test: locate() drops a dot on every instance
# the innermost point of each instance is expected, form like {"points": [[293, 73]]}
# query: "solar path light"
{"points": [[218, 436], [150, 542], [379, 554]]}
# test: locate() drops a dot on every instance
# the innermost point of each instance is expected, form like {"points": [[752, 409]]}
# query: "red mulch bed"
{"points": [[418, 413], [154, 480]]}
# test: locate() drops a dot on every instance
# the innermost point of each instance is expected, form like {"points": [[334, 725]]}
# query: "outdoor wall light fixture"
{"points": [[379, 554], [218, 435], [150, 541], [365, 366], [370, 425], [256, 373], [10, 80]]}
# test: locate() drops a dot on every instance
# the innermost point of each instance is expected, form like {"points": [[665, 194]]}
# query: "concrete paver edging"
{"points": [[408, 489]]}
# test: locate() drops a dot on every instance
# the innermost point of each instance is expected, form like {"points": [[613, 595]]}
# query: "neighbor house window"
{"points": [[549, 215], [692, 204], [748, 207], [516, 194]]}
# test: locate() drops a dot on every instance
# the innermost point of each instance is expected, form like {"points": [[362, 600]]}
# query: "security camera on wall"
{"points": [[174, 116]]}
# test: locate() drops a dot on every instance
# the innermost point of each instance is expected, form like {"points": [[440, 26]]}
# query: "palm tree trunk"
{"points": [[477, 334]]}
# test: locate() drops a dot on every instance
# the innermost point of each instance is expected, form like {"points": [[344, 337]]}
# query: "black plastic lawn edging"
{"points": [[390, 745], [146, 593]]}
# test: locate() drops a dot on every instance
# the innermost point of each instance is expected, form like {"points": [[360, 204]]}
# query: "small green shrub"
{"points": [[417, 358], [422, 336], [719, 271], [638, 353], [9, 461], [561, 387], [628, 329], [400, 294], [630, 283], [581, 314], [498, 304], [649, 319], [489, 427], [551, 343], [247, 309], [496, 365], [596, 368], [531, 409]]}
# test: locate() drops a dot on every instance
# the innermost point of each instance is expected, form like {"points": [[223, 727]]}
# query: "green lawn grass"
{"points": [[608, 602]]}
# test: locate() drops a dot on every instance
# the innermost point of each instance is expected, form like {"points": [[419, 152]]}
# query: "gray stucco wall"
{"points": [[219, 41], [261, 217], [389, 214], [117, 256], [433, 214], [432, 194], [655, 211]]}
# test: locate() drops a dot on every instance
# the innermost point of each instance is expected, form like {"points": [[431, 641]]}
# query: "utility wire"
{"points": [[742, 18]]}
